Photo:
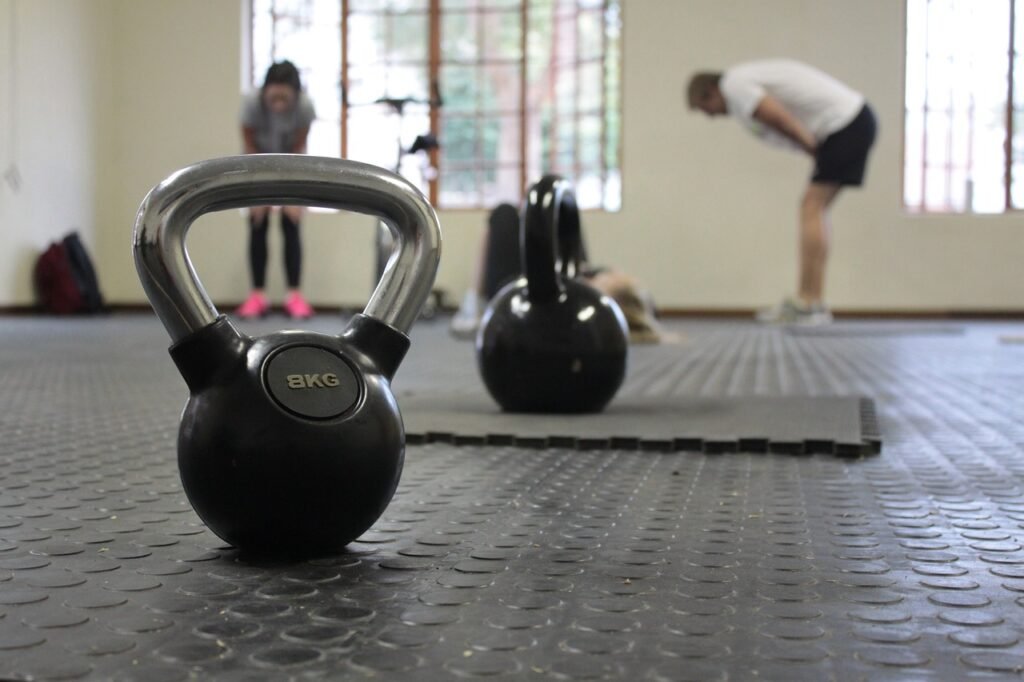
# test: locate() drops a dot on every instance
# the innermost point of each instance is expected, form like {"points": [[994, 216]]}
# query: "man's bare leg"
{"points": [[814, 240]]}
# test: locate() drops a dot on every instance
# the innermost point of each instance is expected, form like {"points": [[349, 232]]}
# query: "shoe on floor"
{"points": [[297, 307], [793, 312], [467, 318], [255, 306]]}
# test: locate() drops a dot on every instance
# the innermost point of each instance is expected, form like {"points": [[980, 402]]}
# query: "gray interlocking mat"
{"points": [[443, 400], [516, 563], [838, 425]]}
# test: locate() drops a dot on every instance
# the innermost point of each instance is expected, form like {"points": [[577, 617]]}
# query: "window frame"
{"points": [[435, 61], [1009, 129]]}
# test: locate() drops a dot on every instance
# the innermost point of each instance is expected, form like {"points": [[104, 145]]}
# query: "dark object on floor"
{"points": [[502, 260], [830, 425], [550, 343], [84, 273], [291, 443], [65, 280]]}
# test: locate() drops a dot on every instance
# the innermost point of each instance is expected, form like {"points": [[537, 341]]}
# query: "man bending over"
{"points": [[787, 103]]}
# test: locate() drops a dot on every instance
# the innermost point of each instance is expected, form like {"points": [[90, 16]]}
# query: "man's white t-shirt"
{"points": [[820, 102]]}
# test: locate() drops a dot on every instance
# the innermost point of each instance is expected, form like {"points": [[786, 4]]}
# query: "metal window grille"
{"points": [[962, 148], [528, 87]]}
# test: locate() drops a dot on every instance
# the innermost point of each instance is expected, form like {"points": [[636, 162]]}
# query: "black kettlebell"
{"points": [[290, 443], [549, 342]]}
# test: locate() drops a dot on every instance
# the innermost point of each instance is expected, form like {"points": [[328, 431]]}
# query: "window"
{"points": [[307, 34], [511, 89], [964, 138]]}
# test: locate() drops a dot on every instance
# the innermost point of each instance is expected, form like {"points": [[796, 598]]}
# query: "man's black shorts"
{"points": [[842, 156]]}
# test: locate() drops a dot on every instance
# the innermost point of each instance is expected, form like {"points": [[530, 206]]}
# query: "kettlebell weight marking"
{"points": [[301, 381], [330, 392]]}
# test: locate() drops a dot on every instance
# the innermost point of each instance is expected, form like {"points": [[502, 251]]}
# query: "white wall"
{"points": [[52, 96], [708, 215]]}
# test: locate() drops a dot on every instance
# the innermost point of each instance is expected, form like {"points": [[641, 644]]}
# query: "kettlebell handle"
{"points": [[167, 212], [550, 239]]}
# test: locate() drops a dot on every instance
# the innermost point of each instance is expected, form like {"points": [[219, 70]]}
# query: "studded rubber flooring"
{"points": [[518, 564]]}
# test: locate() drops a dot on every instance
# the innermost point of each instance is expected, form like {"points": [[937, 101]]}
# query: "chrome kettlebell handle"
{"points": [[550, 237], [167, 212]]}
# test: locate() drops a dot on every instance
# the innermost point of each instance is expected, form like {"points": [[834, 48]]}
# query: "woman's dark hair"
{"points": [[284, 73]]}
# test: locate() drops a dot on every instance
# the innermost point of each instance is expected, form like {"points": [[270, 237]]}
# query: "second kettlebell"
{"points": [[549, 342]]}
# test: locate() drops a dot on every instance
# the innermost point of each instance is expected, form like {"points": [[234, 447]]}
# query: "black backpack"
{"points": [[65, 280]]}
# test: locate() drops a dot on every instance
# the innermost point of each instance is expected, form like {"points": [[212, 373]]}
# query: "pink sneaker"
{"points": [[255, 306], [297, 307]]}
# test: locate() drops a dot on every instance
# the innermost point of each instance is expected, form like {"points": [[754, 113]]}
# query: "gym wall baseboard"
{"points": [[145, 308], [665, 313], [853, 314]]}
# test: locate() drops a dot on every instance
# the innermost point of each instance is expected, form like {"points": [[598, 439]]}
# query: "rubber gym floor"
{"points": [[513, 563]]}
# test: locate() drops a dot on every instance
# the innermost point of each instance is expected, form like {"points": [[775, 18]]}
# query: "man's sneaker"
{"points": [[297, 307], [793, 312], [467, 318], [255, 306]]}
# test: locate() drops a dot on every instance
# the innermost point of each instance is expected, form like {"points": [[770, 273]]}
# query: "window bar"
{"points": [[273, 31], [1008, 167], [969, 159], [577, 72], [903, 147], [478, 138], [389, 41], [524, 18], [971, 111], [605, 69], [950, 118], [434, 78], [344, 79], [553, 91], [252, 50], [923, 205]]}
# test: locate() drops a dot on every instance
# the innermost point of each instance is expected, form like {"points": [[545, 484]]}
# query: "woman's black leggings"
{"points": [[258, 250]]}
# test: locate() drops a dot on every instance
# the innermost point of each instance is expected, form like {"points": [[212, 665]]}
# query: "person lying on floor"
{"points": [[499, 263]]}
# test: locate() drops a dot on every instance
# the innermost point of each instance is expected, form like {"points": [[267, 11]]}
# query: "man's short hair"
{"points": [[702, 84]]}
